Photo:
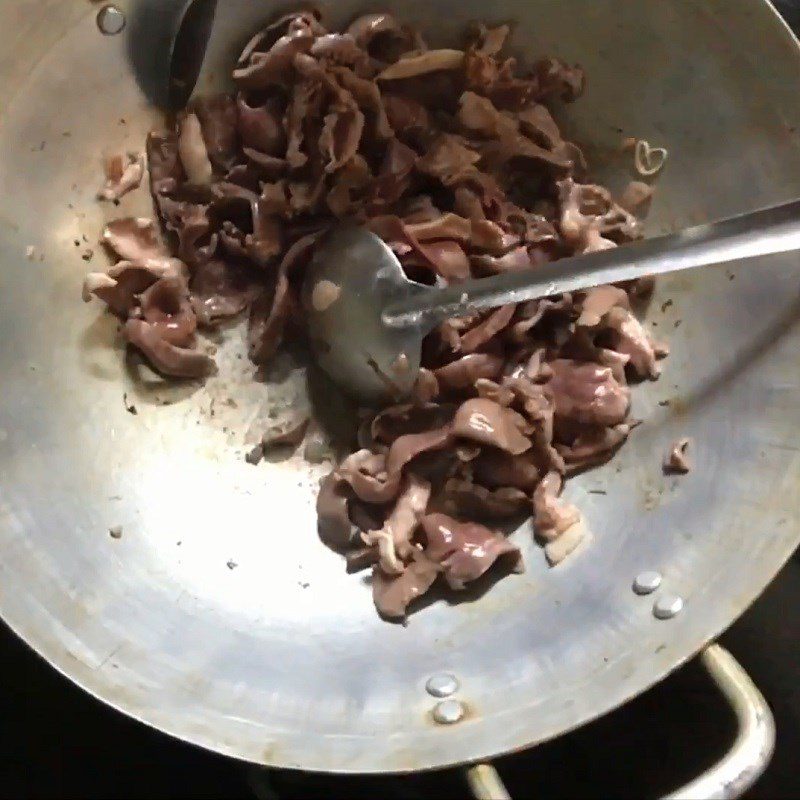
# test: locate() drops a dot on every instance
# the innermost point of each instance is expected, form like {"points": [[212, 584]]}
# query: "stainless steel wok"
{"points": [[218, 616]]}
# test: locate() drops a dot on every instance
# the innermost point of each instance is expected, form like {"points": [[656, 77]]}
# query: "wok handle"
{"points": [[733, 774]]}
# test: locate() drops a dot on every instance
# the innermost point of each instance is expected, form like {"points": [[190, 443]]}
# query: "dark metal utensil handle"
{"points": [[758, 233], [733, 774]]}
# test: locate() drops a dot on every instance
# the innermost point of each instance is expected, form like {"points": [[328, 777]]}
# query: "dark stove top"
{"points": [[56, 741]]}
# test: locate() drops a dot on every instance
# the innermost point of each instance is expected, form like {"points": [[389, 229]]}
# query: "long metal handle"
{"points": [[733, 774], [759, 233]]}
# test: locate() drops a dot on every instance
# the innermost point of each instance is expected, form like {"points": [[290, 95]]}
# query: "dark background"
{"points": [[57, 742]]}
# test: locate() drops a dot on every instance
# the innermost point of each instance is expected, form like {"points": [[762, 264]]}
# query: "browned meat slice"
{"points": [[134, 239], [219, 291], [487, 329], [448, 159], [472, 501], [341, 133], [465, 371], [497, 469], [193, 152], [367, 28], [587, 393], [557, 80], [261, 127], [396, 421], [333, 521], [487, 422], [270, 312], [120, 286], [367, 475], [466, 550], [163, 161], [593, 446], [167, 309], [598, 302], [631, 339], [406, 116], [262, 70], [393, 540], [219, 122], [394, 593], [408, 447], [175, 362]]}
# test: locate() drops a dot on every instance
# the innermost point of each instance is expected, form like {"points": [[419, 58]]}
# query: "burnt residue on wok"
{"points": [[454, 159]]}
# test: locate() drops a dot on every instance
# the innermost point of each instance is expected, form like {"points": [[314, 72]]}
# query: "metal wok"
{"points": [[218, 616]]}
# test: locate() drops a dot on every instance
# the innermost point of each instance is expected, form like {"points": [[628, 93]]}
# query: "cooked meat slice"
{"points": [[567, 543], [465, 371], [333, 521], [176, 362], [123, 175], [466, 550], [487, 422], [496, 469], [262, 70], [470, 500], [587, 393], [367, 475], [551, 516], [134, 239], [272, 309], [394, 593], [193, 152], [598, 302], [120, 286], [261, 127], [677, 459], [166, 307], [393, 540], [411, 66], [219, 121], [219, 291], [163, 161], [631, 339]]}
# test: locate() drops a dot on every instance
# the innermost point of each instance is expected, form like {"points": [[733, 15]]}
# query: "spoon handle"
{"points": [[758, 233]]}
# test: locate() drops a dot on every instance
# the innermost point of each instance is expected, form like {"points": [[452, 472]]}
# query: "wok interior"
{"points": [[218, 616]]}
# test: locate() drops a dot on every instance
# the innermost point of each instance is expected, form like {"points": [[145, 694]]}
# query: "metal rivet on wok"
{"points": [[647, 582], [448, 712], [110, 20], [667, 606], [442, 684]]}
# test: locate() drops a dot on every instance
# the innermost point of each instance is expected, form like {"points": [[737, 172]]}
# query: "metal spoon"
{"points": [[167, 42], [367, 320]]}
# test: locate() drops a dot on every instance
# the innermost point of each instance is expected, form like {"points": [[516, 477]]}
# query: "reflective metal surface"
{"points": [[352, 277], [281, 659]]}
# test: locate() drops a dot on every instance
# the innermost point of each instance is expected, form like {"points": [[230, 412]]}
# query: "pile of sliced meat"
{"points": [[453, 158]]}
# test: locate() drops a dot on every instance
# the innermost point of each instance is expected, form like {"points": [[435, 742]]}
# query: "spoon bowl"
{"points": [[352, 278]]}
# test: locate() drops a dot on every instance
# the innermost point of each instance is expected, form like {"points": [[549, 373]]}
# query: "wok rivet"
{"points": [[448, 712], [647, 582], [442, 684], [667, 606], [110, 20]]}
